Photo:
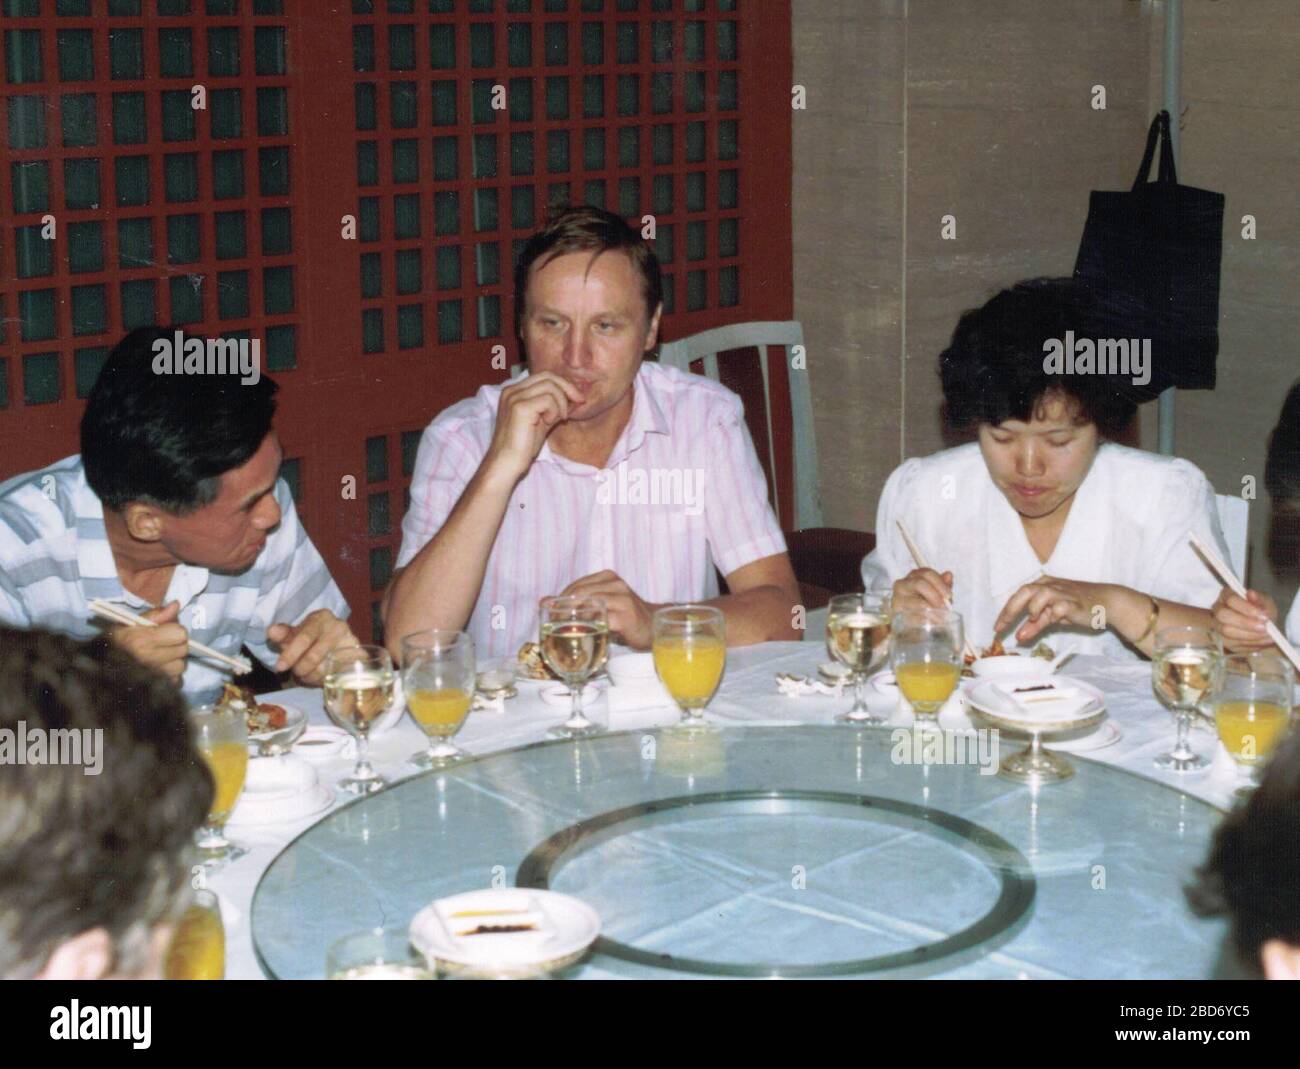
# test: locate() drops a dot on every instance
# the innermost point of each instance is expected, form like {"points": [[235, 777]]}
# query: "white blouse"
{"points": [[1129, 524]]}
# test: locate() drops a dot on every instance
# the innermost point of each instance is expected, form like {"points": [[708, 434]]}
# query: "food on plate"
{"points": [[261, 716], [532, 665], [1042, 650]]}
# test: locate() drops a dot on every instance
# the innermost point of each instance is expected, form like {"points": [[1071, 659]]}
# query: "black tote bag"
{"points": [[1151, 257]]}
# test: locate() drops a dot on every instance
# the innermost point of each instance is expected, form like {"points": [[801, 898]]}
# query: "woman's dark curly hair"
{"points": [[993, 369], [1253, 871]]}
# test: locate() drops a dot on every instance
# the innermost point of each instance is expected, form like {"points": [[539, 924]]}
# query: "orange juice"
{"points": [[198, 950], [229, 763], [1249, 729], [927, 684], [439, 712], [690, 667]]}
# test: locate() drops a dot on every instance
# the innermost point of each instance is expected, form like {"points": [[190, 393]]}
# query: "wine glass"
{"points": [[925, 652], [857, 635], [1252, 709], [1184, 668], [575, 642], [221, 736], [690, 653], [358, 691], [198, 946], [438, 678], [376, 954]]}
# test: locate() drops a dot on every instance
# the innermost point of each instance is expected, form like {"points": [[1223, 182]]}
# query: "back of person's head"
{"points": [[994, 367], [1252, 873], [1282, 468], [165, 439], [93, 849], [583, 228]]}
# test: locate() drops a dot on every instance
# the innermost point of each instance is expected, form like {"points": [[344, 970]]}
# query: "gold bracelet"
{"points": [[1151, 622]]}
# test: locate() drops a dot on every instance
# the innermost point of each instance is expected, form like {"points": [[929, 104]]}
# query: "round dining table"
{"points": [[772, 842]]}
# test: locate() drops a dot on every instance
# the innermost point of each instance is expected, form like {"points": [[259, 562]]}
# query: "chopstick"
{"points": [[1227, 577], [919, 558], [106, 610]]}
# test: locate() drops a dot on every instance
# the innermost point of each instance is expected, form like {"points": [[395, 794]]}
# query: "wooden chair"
{"points": [[778, 412]]}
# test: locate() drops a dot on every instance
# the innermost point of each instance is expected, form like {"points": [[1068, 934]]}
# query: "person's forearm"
{"points": [[1128, 613], [439, 587], [764, 614]]}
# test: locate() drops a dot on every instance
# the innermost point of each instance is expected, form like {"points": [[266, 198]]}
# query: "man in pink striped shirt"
{"points": [[596, 473]]}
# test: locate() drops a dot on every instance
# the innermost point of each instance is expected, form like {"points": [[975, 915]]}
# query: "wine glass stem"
{"points": [[1183, 721], [575, 704], [363, 769], [859, 701]]}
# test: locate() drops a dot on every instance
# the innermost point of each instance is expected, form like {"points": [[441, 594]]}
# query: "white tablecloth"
{"points": [[748, 695]]}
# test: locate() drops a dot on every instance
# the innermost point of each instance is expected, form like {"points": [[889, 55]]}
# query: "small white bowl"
{"points": [[1007, 666], [631, 669]]}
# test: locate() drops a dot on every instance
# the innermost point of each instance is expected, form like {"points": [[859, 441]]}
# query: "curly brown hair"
{"points": [[80, 850]]}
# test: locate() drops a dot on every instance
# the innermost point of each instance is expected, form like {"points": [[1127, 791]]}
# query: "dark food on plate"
{"points": [[261, 716], [500, 929]]}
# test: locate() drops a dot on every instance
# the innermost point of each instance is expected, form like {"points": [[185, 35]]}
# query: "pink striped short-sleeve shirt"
{"points": [[681, 491]]}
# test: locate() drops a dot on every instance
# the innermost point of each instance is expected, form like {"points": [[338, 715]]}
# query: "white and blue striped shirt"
{"points": [[55, 558]]}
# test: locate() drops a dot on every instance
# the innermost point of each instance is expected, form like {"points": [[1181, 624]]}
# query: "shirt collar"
{"points": [[1080, 550], [647, 418]]}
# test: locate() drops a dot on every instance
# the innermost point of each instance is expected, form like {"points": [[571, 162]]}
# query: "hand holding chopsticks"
{"points": [[1230, 580], [967, 647], [117, 614]]}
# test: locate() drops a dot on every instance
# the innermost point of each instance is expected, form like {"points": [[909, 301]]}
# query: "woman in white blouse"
{"points": [[1042, 529]]}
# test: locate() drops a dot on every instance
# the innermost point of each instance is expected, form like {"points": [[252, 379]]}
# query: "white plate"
{"points": [[282, 811], [1107, 733], [984, 698], [569, 926]]}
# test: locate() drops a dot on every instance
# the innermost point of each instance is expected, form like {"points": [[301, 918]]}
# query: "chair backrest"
{"points": [[706, 347], [1234, 519]]}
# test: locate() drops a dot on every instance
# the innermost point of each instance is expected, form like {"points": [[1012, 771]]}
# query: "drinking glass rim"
{"points": [[219, 714], [864, 595], [389, 937], [339, 653], [596, 601], [1186, 629], [1249, 658], [699, 609], [928, 613], [433, 642]]}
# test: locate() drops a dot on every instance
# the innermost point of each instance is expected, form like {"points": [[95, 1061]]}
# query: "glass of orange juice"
{"points": [[690, 652], [1252, 702], [221, 736], [198, 946], [438, 677], [925, 653]]}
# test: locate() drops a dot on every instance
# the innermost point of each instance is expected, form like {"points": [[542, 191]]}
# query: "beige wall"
{"points": [[981, 109]]}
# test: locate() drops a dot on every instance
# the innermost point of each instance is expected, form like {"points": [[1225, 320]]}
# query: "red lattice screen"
{"points": [[231, 219]]}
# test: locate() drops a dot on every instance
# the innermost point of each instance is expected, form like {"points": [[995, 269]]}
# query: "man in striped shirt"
{"points": [[596, 473], [173, 509]]}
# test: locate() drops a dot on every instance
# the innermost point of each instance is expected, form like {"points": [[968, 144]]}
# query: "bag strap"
{"points": [[1159, 126]]}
